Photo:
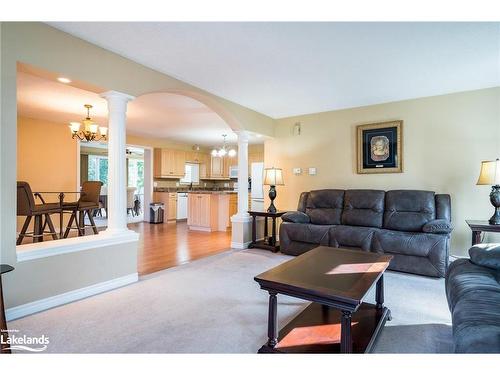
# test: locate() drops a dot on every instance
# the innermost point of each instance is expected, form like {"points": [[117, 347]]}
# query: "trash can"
{"points": [[156, 211]]}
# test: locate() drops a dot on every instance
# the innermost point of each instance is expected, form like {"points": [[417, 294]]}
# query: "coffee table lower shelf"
{"points": [[317, 330]]}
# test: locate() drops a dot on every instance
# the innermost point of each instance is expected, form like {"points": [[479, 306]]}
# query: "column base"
{"points": [[241, 231], [114, 232]]}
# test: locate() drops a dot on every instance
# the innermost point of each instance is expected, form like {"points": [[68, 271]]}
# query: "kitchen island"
{"points": [[211, 211]]}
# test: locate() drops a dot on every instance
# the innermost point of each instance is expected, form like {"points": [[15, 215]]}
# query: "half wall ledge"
{"points": [[39, 250]]}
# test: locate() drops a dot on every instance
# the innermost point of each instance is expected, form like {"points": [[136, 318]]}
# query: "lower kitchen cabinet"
{"points": [[209, 212], [170, 202]]}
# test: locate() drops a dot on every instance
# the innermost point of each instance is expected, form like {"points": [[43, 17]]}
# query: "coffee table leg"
{"points": [[272, 328], [345, 333], [379, 293]]}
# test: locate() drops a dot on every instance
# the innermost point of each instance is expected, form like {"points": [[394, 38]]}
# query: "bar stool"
{"points": [[88, 202], [26, 207]]}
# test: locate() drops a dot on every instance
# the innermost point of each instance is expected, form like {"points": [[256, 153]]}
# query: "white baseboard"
{"points": [[239, 245], [64, 298]]}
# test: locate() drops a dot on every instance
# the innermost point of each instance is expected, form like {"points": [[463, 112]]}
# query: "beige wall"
{"points": [[46, 155], [47, 160], [44, 47], [444, 137]]}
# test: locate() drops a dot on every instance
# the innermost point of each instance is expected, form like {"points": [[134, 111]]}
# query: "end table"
{"points": [[4, 348], [478, 226], [269, 242]]}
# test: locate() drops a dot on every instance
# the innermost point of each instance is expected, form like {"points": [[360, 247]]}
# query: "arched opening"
{"points": [[186, 124]]}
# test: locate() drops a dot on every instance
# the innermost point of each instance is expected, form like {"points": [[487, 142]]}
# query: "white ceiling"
{"points": [[285, 69], [167, 116]]}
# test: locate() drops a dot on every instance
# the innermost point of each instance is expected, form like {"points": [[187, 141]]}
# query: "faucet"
{"points": [[191, 186]]}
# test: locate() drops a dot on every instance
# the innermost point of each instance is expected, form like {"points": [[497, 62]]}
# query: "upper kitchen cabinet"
{"points": [[254, 157], [216, 167], [169, 163]]}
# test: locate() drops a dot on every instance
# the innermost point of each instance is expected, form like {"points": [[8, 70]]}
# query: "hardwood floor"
{"points": [[167, 245]]}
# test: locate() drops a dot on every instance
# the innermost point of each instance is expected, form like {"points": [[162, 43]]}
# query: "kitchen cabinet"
{"points": [[228, 163], [216, 167], [211, 211], [170, 202], [169, 163], [172, 207], [233, 207], [254, 157], [200, 210]]}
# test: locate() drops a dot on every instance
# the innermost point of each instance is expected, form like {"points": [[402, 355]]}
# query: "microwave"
{"points": [[233, 172]]}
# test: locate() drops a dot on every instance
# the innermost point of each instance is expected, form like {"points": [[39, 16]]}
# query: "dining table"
{"points": [[61, 196]]}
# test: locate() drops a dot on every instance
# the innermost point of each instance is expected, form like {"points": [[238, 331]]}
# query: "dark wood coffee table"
{"points": [[337, 320]]}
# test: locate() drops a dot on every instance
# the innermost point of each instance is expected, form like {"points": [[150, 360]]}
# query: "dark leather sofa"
{"points": [[412, 225], [473, 292]]}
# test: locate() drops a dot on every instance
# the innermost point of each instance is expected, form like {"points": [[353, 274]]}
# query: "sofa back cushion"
{"points": [[408, 210], [325, 206], [364, 208]]}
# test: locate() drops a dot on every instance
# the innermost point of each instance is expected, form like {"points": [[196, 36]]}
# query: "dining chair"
{"points": [[88, 202], [130, 200], [26, 206]]}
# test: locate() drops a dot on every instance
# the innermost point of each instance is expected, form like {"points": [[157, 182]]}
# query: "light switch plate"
{"points": [[297, 171], [312, 171]]}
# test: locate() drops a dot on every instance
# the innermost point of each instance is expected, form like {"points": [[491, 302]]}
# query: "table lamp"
{"points": [[272, 177], [490, 175]]}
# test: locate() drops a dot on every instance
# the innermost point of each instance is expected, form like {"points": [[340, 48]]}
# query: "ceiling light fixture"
{"points": [[223, 151], [64, 80], [90, 132]]}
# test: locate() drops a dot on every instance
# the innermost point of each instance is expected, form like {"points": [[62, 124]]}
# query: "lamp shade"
{"points": [[490, 173], [273, 176]]}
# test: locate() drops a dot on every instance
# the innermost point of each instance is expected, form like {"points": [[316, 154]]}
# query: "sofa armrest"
{"points": [[296, 217], [439, 226], [486, 255]]}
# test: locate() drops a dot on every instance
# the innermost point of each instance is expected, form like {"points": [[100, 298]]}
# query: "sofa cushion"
{"points": [[408, 210], [296, 217], [433, 247], [364, 208], [486, 255], [324, 207], [440, 226], [351, 237], [464, 277], [310, 233], [476, 323]]}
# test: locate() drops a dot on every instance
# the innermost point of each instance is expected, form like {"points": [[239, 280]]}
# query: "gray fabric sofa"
{"points": [[412, 225], [473, 292]]}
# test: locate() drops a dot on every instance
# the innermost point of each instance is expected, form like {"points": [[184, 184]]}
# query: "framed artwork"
{"points": [[380, 147]]}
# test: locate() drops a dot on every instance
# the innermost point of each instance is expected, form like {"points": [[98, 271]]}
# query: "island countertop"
{"points": [[211, 192]]}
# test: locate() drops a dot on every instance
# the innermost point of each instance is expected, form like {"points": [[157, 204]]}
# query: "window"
{"points": [[98, 169], [136, 174], [191, 174]]}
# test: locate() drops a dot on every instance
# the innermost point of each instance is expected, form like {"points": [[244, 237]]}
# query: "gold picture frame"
{"points": [[380, 147]]}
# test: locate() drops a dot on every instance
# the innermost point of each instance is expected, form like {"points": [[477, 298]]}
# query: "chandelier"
{"points": [[223, 151], [90, 132]]}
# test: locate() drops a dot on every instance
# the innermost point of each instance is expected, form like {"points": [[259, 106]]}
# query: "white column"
{"points": [[117, 183], [241, 221], [242, 175]]}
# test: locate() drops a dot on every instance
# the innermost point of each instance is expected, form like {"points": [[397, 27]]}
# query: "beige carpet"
{"points": [[213, 305]]}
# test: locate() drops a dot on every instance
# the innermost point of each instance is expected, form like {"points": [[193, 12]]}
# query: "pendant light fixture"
{"points": [[223, 151], [91, 131]]}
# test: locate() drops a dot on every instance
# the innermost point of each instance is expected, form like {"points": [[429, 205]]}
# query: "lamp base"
{"points": [[272, 196], [495, 201]]}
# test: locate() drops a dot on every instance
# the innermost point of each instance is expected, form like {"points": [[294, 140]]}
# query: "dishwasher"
{"points": [[182, 203]]}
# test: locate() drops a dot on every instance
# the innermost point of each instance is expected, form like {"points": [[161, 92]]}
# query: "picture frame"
{"points": [[380, 147]]}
